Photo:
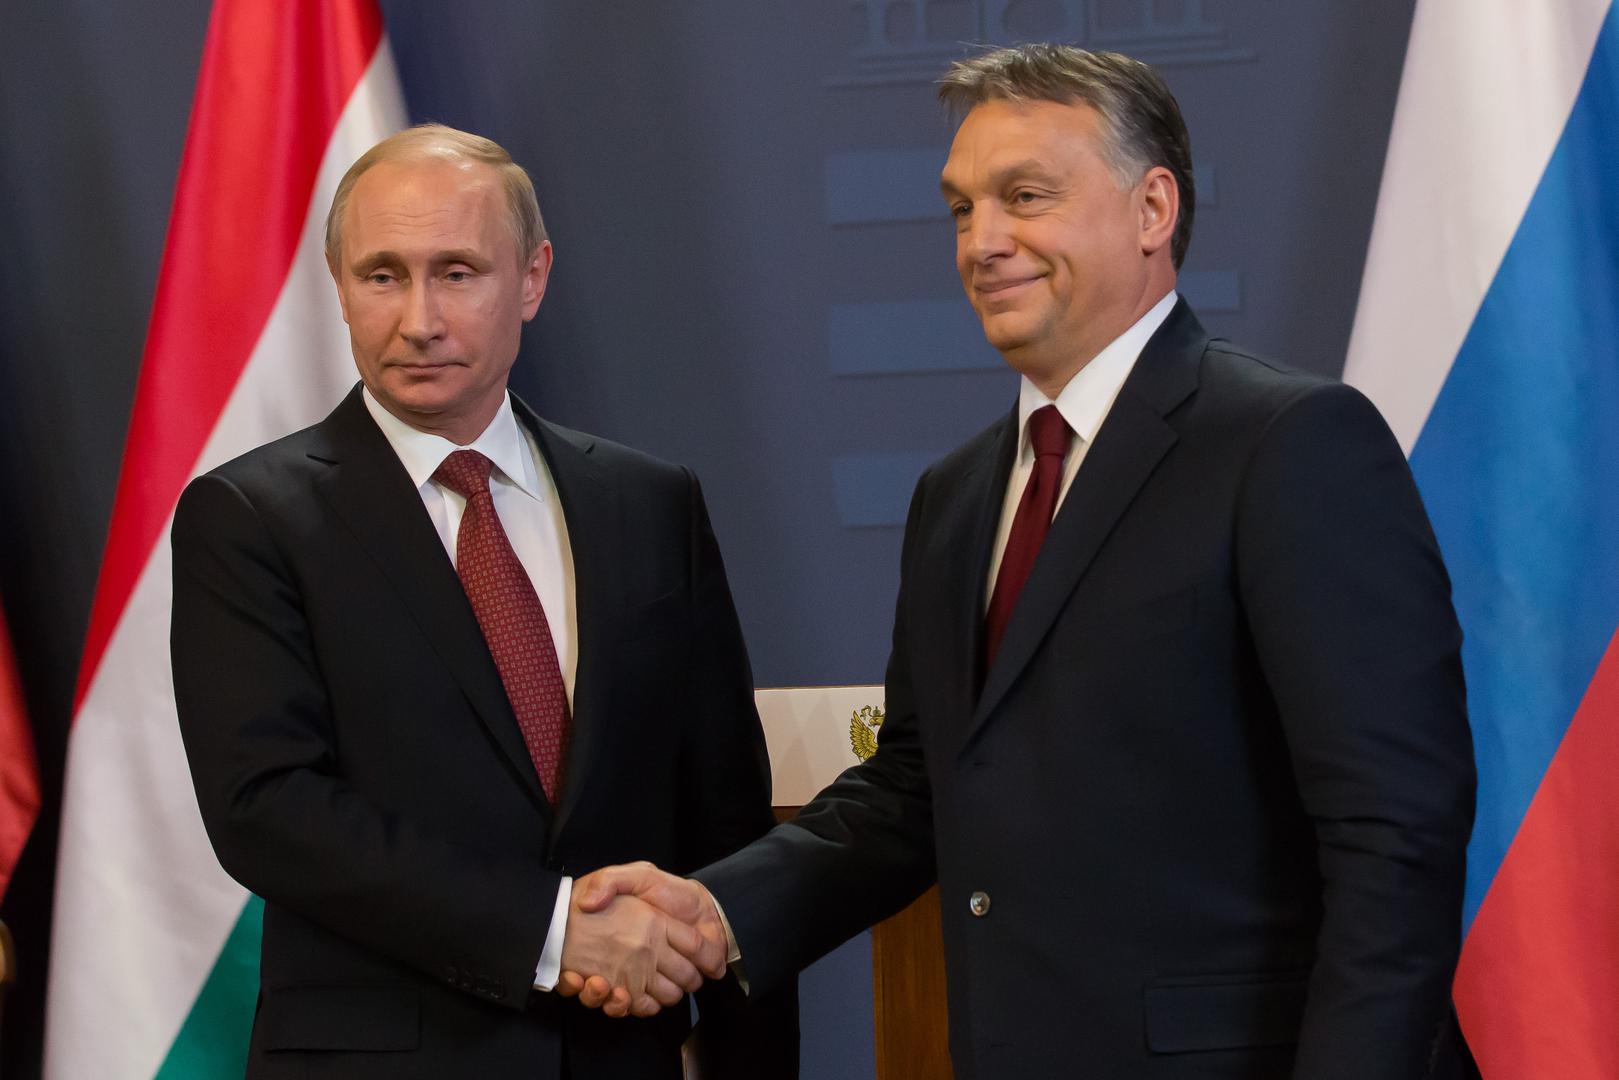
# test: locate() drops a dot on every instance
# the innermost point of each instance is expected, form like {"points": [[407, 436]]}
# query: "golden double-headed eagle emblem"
{"points": [[863, 726]]}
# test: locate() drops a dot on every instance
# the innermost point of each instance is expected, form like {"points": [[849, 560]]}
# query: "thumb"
{"points": [[597, 890]]}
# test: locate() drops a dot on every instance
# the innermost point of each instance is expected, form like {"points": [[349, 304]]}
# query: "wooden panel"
{"points": [[907, 974]]}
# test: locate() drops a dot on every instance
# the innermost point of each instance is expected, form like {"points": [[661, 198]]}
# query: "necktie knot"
{"points": [[1049, 433], [465, 472]]}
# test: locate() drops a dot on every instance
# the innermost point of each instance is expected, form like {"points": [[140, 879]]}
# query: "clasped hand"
{"points": [[638, 939]]}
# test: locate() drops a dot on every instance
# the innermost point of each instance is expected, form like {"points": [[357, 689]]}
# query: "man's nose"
{"points": [[420, 322], [987, 235]]}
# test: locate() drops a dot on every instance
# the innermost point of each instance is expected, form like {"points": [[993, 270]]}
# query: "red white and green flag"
{"points": [[19, 775], [154, 957]]}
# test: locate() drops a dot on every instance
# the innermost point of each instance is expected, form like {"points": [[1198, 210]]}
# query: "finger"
{"points": [[711, 958], [682, 937], [663, 991], [646, 1005], [672, 962], [569, 983], [619, 1004], [706, 951], [596, 890], [682, 898], [596, 992], [678, 970]]}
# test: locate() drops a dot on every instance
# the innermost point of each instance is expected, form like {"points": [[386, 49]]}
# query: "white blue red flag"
{"points": [[1488, 333]]}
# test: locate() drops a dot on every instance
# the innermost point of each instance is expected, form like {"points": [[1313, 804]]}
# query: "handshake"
{"points": [[638, 939]]}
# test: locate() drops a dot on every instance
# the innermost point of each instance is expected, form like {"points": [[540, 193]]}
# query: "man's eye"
{"points": [[1025, 196], [457, 275], [379, 277], [960, 210]]}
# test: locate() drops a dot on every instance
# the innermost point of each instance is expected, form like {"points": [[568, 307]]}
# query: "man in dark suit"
{"points": [[1175, 713], [435, 655]]}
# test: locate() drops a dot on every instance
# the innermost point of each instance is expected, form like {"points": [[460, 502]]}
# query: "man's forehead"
{"points": [[1013, 118], [1002, 134], [423, 177], [424, 195]]}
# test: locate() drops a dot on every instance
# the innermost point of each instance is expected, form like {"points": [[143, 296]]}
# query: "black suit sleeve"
{"points": [[859, 852], [258, 732], [724, 803], [725, 766], [1350, 613]]}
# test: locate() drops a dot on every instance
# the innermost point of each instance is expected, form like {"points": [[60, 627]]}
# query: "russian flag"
{"points": [[154, 959], [1488, 333]]}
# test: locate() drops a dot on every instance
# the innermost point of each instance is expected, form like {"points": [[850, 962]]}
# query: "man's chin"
{"points": [[1006, 333], [415, 397]]}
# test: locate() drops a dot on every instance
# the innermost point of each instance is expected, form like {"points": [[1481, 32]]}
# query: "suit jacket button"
{"points": [[978, 903]]}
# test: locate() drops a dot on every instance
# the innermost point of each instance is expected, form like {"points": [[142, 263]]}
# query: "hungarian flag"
{"points": [[19, 776], [1488, 333], [154, 961]]}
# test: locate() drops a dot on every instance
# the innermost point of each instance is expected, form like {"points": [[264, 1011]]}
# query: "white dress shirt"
{"points": [[1084, 403], [531, 513]]}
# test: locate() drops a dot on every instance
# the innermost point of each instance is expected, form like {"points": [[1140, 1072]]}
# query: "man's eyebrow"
{"points": [[373, 259], [1027, 169], [460, 255]]}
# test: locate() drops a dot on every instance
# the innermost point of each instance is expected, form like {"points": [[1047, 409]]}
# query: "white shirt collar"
{"points": [[421, 452], [1089, 395]]}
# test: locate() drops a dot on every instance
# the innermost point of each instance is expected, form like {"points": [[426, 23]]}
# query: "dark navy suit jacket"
{"points": [[358, 766], [1217, 786]]}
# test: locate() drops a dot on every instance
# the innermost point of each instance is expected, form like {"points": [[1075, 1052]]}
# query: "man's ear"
{"points": [[1160, 203], [536, 272]]}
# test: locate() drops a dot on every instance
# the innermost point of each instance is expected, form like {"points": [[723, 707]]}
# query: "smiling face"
{"points": [[1057, 259], [434, 292]]}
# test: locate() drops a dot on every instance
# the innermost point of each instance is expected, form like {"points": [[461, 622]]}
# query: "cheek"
{"points": [[370, 314], [477, 313], [367, 331]]}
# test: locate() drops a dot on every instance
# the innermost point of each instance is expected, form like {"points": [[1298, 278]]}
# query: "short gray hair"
{"points": [[1141, 121], [427, 141]]}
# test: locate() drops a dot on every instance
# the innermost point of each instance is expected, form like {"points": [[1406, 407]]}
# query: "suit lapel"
{"points": [[973, 515], [370, 491], [590, 505], [1132, 440]]}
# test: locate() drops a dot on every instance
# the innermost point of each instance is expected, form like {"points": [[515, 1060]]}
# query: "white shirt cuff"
{"points": [[733, 951], [549, 969]]}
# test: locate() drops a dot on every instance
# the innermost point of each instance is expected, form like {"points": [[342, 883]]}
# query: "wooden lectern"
{"points": [[813, 733]]}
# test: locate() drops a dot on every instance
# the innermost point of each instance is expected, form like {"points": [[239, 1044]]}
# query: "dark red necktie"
{"points": [[511, 617], [1049, 435]]}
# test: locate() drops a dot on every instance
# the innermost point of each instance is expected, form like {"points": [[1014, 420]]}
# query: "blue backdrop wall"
{"points": [[753, 277]]}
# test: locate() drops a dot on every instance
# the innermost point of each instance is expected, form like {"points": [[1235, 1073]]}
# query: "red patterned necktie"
{"points": [[1049, 435], [511, 617]]}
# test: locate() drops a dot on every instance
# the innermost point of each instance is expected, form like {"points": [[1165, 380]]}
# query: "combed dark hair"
{"points": [[427, 141], [1141, 121]]}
